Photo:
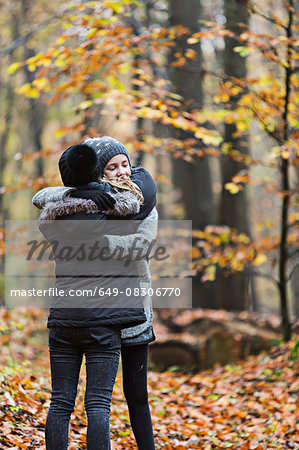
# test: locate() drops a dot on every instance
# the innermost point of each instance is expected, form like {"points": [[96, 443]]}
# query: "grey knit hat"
{"points": [[106, 147]]}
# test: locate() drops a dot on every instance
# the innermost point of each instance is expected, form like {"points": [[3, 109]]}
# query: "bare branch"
{"points": [[265, 275], [23, 39], [270, 133], [253, 10], [291, 254], [292, 269]]}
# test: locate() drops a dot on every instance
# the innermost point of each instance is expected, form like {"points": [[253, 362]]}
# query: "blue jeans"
{"points": [[101, 346]]}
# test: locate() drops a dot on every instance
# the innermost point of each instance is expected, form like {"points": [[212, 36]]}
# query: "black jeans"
{"points": [[101, 346], [134, 371]]}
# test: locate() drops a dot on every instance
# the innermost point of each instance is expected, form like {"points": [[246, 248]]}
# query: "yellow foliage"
{"points": [[85, 105], [232, 188], [61, 39], [190, 53], [196, 253], [13, 67], [31, 67], [244, 238], [242, 125], [192, 40], [28, 91], [179, 62], [41, 83], [260, 259]]}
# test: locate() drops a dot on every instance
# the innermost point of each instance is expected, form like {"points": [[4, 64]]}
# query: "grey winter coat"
{"points": [[53, 198]]}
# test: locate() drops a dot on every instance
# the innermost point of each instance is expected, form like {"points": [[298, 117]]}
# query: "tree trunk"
{"points": [[8, 101], [7, 97], [194, 179], [233, 208], [295, 290], [285, 185], [37, 109], [294, 268]]}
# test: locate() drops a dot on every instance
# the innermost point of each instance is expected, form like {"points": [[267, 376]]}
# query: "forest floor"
{"points": [[252, 404]]}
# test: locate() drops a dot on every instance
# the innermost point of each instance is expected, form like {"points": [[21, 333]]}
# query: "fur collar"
{"points": [[126, 203]]}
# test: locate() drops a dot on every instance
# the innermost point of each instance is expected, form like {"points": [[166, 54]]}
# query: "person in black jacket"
{"points": [[89, 325]]}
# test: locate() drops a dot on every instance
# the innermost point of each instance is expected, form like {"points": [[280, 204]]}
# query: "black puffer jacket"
{"points": [[73, 234], [144, 180]]}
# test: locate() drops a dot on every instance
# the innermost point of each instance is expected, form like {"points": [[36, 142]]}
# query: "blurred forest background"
{"points": [[203, 94]]}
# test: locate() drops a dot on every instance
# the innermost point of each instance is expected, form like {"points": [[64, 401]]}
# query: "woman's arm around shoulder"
{"points": [[145, 234], [51, 194]]}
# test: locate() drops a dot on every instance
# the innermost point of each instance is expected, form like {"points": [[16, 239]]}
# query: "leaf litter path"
{"points": [[249, 405]]}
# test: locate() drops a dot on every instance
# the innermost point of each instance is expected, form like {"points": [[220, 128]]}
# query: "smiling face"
{"points": [[117, 167]]}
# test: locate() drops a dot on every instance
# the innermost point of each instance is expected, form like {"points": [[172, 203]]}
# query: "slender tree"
{"points": [[285, 185], [233, 209], [36, 107], [193, 178]]}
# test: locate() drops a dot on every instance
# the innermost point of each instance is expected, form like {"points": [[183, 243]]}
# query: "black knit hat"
{"points": [[106, 148], [78, 164]]}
